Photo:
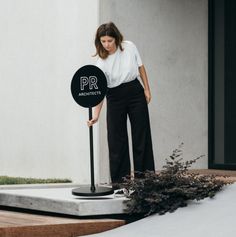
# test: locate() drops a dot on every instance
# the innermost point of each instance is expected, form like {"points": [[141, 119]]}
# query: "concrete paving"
{"points": [[209, 217], [60, 200]]}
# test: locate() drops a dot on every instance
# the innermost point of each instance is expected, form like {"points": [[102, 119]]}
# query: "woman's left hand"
{"points": [[148, 96]]}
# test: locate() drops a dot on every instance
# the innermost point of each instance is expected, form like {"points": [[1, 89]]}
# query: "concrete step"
{"points": [[60, 200], [18, 224]]}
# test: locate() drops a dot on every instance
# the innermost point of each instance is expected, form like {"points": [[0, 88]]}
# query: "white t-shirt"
{"points": [[121, 66]]}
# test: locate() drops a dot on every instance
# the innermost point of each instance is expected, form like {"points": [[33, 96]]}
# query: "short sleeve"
{"points": [[137, 56], [98, 63]]}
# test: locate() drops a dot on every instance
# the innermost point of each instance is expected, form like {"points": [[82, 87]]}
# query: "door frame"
{"points": [[211, 95]]}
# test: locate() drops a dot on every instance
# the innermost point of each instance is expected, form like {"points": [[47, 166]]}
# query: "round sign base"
{"points": [[86, 191]]}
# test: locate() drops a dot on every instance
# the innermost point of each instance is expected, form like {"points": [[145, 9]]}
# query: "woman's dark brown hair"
{"points": [[107, 29]]}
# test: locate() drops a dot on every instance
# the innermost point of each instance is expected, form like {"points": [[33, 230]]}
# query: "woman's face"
{"points": [[108, 43]]}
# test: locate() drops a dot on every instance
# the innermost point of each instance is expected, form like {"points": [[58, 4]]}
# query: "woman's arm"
{"points": [[144, 78], [96, 113]]}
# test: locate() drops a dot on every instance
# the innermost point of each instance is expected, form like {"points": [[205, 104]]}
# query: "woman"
{"points": [[122, 65]]}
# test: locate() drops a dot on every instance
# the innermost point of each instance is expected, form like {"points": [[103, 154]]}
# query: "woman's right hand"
{"points": [[96, 113], [92, 121]]}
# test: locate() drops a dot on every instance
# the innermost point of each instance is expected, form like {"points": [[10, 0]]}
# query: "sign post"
{"points": [[88, 88]]}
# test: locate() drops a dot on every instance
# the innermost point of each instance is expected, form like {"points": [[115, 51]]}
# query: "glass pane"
{"points": [[219, 81]]}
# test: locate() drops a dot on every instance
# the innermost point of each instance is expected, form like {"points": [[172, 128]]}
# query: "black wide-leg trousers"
{"points": [[128, 100]]}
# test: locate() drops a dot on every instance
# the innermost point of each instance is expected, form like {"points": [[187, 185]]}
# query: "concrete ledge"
{"points": [[35, 186], [60, 200]]}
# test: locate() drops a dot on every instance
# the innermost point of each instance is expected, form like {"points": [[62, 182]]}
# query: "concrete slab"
{"points": [[209, 217], [35, 186], [61, 200]]}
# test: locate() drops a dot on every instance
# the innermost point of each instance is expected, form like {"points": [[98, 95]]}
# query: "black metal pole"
{"points": [[92, 190], [91, 152]]}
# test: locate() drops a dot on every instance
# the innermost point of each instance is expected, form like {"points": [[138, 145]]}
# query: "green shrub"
{"points": [[169, 189], [4, 180]]}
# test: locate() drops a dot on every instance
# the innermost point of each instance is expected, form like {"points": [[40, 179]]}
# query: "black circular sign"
{"points": [[89, 86]]}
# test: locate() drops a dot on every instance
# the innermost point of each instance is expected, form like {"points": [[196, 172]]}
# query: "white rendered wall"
{"points": [[171, 36], [43, 131]]}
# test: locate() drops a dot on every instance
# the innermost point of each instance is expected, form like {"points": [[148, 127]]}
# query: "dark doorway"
{"points": [[222, 84]]}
